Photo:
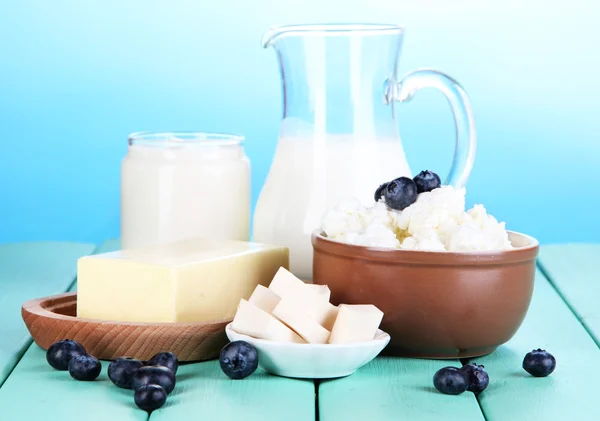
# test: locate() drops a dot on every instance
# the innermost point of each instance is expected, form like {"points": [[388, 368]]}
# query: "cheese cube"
{"points": [[188, 281], [264, 298], [355, 323], [321, 289], [328, 317], [286, 285], [292, 314], [252, 321]]}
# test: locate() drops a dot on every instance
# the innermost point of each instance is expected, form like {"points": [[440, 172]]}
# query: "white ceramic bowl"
{"points": [[314, 361]]}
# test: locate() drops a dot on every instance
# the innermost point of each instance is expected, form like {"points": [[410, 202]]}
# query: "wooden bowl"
{"points": [[51, 319], [435, 304]]}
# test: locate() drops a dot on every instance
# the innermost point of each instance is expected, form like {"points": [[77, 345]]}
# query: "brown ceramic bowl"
{"points": [[435, 304]]}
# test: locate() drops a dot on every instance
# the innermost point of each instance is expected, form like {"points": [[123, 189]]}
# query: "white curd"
{"points": [[437, 221]]}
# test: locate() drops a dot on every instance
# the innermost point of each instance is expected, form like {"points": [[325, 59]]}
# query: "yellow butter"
{"points": [[189, 281]]}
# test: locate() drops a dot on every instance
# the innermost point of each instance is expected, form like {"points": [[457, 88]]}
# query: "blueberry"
{"points": [[379, 191], [150, 397], [154, 374], [60, 353], [84, 367], [165, 359], [450, 381], [238, 359], [539, 363], [400, 193], [427, 181], [121, 371], [477, 376]]}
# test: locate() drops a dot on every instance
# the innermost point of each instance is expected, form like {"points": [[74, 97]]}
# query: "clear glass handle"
{"points": [[464, 154]]}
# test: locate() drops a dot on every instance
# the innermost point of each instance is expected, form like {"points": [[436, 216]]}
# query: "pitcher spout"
{"points": [[272, 35]]}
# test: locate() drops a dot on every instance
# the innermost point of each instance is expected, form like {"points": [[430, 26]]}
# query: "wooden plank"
{"points": [[574, 270], [30, 270], [570, 392], [35, 391], [204, 392], [395, 389]]}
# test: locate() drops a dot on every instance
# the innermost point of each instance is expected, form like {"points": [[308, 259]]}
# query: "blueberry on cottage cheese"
{"points": [[400, 193], [154, 374], [60, 353], [477, 376], [427, 181], [238, 359], [379, 192], [84, 367], [150, 397], [539, 363], [450, 381], [165, 359], [121, 371]]}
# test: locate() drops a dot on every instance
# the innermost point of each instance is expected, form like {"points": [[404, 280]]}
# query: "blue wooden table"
{"points": [[564, 318]]}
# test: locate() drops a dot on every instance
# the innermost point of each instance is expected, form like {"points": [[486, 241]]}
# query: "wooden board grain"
{"points": [[36, 392], [574, 270], [51, 319], [394, 389], [570, 392], [30, 270], [205, 393]]}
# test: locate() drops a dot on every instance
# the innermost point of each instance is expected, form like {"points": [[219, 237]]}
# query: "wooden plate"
{"points": [[51, 319]]}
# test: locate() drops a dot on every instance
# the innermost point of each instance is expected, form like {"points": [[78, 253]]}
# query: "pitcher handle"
{"points": [[464, 153]]}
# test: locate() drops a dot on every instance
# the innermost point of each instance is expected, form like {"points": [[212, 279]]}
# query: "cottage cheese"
{"points": [[437, 221]]}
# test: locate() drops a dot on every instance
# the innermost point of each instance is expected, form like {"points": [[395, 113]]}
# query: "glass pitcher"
{"points": [[339, 136]]}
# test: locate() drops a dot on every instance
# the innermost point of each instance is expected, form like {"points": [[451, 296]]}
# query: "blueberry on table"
{"points": [[400, 193], [427, 181], [450, 381], [84, 367], [60, 353], [379, 191], [238, 359], [165, 359], [121, 371], [150, 397], [539, 363], [154, 374], [477, 376]]}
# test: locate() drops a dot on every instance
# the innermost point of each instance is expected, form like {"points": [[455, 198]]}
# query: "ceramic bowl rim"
{"points": [[528, 252], [381, 339]]}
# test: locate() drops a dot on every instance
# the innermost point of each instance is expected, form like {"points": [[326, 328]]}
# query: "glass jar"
{"points": [[183, 185]]}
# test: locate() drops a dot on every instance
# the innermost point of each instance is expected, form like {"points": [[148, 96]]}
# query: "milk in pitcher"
{"points": [[311, 175]]}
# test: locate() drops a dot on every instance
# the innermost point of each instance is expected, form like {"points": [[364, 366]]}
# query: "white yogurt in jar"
{"points": [[177, 186], [436, 221]]}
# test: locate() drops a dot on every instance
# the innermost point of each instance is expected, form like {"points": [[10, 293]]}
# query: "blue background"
{"points": [[77, 76]]}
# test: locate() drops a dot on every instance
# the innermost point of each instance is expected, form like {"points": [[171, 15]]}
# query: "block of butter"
{"points": [[293, 315], [312, 301], [355, 323], [253, 321], [188, 281], [264, 298]]}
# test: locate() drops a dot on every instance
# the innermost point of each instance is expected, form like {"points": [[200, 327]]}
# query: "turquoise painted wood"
{"points": [[37, 392], [205, 393], [570, 393], [30, 270], [386, 389], [394, 389], [574, 270]]}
